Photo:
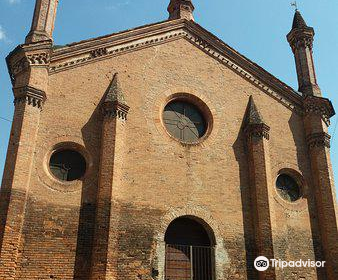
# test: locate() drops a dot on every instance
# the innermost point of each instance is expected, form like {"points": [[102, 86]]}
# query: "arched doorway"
{"points": [[189, 250]]}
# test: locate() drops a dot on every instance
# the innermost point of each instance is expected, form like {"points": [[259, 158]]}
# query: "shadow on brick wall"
{"points": [[91, 134], [241, 154], [305, 169]]}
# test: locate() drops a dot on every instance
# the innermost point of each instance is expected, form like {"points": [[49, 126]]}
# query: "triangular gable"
{"points": [[88, 51]]}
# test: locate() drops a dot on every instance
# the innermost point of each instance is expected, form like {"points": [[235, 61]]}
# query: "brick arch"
{"points": [[222, 260], [201, 216], [207, 229]]}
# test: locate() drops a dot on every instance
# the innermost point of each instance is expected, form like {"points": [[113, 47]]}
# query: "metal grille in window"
{"points": [[184, 121], [288, 188], [189, 262], [67, 165]]}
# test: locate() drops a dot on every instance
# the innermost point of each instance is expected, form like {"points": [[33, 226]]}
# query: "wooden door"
{"points": [[178, 264]]}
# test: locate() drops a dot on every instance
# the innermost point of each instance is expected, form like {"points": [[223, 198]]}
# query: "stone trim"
{"points": [[118, 44], [257, 131], [321, 139], [115, 110], [29, 95], [319, 106], [107, 52]]}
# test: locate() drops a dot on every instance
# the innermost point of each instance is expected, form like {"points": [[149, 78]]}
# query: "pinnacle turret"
{"points": [[300, 39], [298, 21], [253, 124], [43, 21], [181, 9], [114, 104], [252, 115], [114, 92]]}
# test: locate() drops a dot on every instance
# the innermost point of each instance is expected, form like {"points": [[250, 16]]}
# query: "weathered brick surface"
{"points": [[15, 185], [156, 177]]}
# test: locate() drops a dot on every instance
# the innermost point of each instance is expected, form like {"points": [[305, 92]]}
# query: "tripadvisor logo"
{"points": [[262, 263]]}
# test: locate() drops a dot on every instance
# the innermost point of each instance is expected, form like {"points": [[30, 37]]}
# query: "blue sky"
{"points": [[256, 29]]}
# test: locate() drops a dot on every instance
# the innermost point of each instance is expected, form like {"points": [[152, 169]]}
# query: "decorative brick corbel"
{"points": [[98, 52], [321, 139], [25, 56], [257, 131], [115, 110], [29, 95], [319, 106], [301, 38]]}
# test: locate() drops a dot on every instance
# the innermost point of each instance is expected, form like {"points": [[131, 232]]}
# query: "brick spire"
{"points": [[114, 104], [181, 9], [253, 116], [43, 21], [260, 175], [113, 151], [300, 39], [298, 21], [254, 124]]}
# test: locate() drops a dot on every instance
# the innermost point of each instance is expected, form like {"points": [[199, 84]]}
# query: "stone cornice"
{"points": [[321, 139], [319, 106], [115, 39], [100, 48], [29, 95]]}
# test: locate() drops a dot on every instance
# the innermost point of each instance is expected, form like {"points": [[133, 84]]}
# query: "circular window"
{"points": [[184, 121], [288, 188], [67, 165]]}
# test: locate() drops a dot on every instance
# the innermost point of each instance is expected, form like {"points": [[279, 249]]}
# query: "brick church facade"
{"points": [[162, 153]]}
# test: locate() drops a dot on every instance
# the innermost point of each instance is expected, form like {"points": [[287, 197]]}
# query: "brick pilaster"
{"points": [[16, 179], [112, 149], [257, 133], [28, 68], [318, 112]]}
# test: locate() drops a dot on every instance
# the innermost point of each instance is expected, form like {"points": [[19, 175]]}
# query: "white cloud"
{"points": [[2, 34], [13, 1], [119, 4]]}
